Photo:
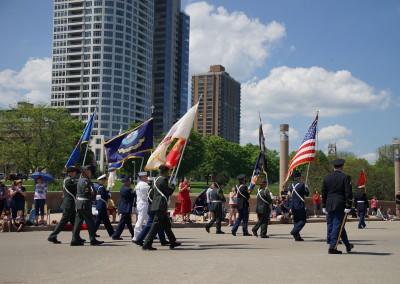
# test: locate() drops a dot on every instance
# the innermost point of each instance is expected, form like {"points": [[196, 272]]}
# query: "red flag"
{"points": [[173, 156], [362, 179]]}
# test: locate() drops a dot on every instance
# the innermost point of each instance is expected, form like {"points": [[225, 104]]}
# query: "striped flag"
{"points": [[306, 151]]}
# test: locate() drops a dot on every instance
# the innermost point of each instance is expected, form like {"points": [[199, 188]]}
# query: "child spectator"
{"points": [[20, 221], [39, 201]]}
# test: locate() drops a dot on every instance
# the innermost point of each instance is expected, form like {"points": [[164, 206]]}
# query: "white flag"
{"points": [[181, 129]]}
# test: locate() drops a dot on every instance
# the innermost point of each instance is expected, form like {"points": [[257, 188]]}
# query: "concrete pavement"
{"points": [[27, 257]]}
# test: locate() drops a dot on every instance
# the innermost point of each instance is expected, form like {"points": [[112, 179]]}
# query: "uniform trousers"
{"points": [[87, 216], [243, 216], [334, 221], [263, 222], [361, 223], [142, 217], [125, 219], [299, 221], [103, 217], [67, 216], [217, 216], [160, 219], [146, 229]]}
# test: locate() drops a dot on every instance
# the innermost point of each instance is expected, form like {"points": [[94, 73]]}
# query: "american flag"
{"points": [[306, 151]]}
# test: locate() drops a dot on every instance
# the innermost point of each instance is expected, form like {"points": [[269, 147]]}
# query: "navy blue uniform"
{"points": [[243, 196], [298, 191], [101, 206], [361, 203], [125, 209], [336, 196]]}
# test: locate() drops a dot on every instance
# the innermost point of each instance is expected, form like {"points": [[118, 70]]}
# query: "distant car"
{"points": [[17, 176]]}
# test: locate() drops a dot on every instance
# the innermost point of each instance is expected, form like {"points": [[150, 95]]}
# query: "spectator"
{"points": [[17, 193], [209, 204], [284, 193], [39, 200], [232, 206], [6, 219], [282, 213], [316, 203], [20, 221], [389, 215], [398, 204], [380, 214], [374, 205], [184, 198], [3, 197]]}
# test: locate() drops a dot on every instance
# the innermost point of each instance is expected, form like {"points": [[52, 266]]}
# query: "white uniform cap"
{"points": [[102, 177], [142, 174]]}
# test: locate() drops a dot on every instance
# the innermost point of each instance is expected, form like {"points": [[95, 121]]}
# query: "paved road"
{"points": [[28, 258]]}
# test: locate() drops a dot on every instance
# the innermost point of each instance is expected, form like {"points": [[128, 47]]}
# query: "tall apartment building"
{"points": [[102, 52], [170, 64], [219, 109]]}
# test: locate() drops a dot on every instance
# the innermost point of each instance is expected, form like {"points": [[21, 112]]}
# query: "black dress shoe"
{"points": [[81, 240], [334, 251], [148, 248], [246, 234], [233, 233], [174, 244], [96, 236], [54, 240], [264, 237], [117, 238], [207, 228], [166, 243], [298, 239], [349, 248], [96, 243], [219, 232], [74, 244], [139, 243], [254, 232]]}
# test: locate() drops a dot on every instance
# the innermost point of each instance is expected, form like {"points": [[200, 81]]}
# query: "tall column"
{"points": [[284, 154], [396, 170]]}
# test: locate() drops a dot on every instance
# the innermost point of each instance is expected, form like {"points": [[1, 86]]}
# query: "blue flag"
{"points": [[258, 169], [87, 132], [116, 166], [131, 144]]}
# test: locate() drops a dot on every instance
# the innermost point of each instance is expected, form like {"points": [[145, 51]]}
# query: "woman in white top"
{"points": [[40, 200], [232, 206]]}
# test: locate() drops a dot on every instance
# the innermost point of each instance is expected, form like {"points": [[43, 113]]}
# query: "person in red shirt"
{"points": [[184, 198], [316, 199]]}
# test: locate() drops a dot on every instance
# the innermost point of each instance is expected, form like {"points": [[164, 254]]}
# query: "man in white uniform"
{"points": [[142, 189]]}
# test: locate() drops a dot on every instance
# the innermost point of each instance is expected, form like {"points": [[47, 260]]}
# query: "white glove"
{"points": [[347, 211], [324, 210], [98, 197]]}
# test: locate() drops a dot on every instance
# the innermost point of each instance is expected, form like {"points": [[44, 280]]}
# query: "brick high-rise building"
{"points": [[219, 109]]}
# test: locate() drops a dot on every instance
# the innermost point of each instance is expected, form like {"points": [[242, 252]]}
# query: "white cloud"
{"points": [[332, 133], [31, 83], [370, 157], [233, 40]]}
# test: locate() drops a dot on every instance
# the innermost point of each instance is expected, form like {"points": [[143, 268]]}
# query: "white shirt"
{"points": [[208, 194], [142, 188], [40, 191]]}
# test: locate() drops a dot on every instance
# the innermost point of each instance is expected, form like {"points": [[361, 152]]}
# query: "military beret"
{"points": [[141, 174], [86, 168], [241, 176], [338, 162], [163, 168], [102, 177], [125, 179], [71, 169]]}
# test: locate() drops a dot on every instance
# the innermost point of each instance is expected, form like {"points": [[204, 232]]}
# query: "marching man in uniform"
{"points": [[102, 197], [142, 189], [263, 210], [217, 199], [298, 192]]}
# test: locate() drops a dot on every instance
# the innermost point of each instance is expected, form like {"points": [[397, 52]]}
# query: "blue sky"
{"points": [[292, 58]]}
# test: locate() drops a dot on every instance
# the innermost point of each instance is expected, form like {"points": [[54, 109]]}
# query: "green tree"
{"points": [[37, 138]]}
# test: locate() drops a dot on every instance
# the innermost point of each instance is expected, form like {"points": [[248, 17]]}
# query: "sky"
{"points": [[292, 58]]}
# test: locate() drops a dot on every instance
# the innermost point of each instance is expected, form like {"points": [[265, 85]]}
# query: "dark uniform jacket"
{"points": [[161, 194], [217, 198], [296, 202], [68, 201], [336, 191], [242, 196], [126, 200], [84, 191], [262, 196], [361, 201], [104, 194]]}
